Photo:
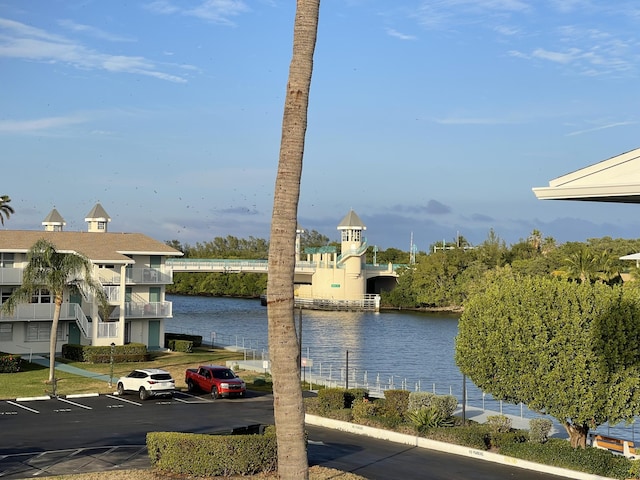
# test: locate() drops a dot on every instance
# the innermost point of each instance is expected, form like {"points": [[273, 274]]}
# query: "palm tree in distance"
{"points": [[5, 209], [284, 349], [55, 272]]}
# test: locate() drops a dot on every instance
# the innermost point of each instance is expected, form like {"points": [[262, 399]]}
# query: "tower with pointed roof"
{"points": [[53, 222], [97, 219]]}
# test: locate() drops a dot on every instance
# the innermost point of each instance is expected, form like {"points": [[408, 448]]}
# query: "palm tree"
{"points": [[582, 265], [55, 272], [284, 348], [5, 209]]}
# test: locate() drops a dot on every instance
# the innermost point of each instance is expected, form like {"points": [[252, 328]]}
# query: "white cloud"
{"points": [[93, 31], [394, 33], [37, 125], [21, 41], [215, 11]]}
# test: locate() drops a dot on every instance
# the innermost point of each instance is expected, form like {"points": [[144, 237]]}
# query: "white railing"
{"points": [[107, 276], [108, 329], [82, 321], [144, 309], [11, 276], [368, 302]]}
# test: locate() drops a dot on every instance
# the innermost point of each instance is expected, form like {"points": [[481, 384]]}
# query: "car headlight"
{"points": [[224, 385]]}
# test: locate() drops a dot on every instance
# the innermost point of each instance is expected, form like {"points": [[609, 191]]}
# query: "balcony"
{"points": [[144, 310], [138, 275], [11, 276]]}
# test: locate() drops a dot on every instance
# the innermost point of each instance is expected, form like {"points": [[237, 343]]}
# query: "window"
{"points": [[41, 296], [5, 293], [6, 260], [102, 225], [6, 332], [40, 331]]}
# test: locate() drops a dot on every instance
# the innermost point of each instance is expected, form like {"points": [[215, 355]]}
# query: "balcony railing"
{"points": [[11, 276], [144, 309], [144, 275]]}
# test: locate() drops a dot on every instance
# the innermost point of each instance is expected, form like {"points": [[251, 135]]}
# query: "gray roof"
{"points": [[98, 213], [351, 220], [54, 218]]}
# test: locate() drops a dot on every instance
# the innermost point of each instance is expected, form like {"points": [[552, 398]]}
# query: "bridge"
{"points": [[328, 271], [193, 265]]}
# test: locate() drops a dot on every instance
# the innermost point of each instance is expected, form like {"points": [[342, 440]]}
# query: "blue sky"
{"points": [[428, 118]]}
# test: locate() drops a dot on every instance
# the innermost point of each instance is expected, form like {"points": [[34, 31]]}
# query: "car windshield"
{"points": [[161, 376], [223, 374]]}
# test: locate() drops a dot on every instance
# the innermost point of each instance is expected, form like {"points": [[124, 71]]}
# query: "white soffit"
{"points": [[614, 180]]}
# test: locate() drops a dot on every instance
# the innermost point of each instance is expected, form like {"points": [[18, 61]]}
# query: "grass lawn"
{"points": [[31, 381]]}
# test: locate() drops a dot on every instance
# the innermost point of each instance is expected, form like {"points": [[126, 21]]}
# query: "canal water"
{"points": [[391, 349]]}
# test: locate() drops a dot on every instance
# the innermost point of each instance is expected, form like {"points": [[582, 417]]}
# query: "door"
{"points": [[154, 334], [74, 334]]}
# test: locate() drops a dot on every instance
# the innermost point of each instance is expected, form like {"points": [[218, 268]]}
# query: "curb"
{"points": [[421, 442]]}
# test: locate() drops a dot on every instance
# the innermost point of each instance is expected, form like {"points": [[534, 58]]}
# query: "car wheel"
{"points": [[120, 389], [190, 386], [143, 393], [214, 393]]}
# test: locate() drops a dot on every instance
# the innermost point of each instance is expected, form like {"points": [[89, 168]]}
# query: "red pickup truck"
{"points": [[220, 381]]}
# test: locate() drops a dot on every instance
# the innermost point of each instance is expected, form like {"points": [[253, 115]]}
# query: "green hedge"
{"points": [[10, 363], [559, 453], [196, 340], [213, 455], [132, 352], [185, 346]]}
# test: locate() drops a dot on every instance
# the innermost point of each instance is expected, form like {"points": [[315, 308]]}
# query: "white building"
{"points": [[130, 266]]}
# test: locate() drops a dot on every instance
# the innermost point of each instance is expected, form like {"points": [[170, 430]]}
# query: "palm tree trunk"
{"points": [[53, 339], [283, 341]]}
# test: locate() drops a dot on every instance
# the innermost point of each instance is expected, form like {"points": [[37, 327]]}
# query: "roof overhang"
{"points": [[615, 180]]}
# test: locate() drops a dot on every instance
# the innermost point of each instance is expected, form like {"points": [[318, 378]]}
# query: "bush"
{"points": [[428, 417], [396, 403], [473, 436], [196, 340], [213, 455], [339, 398], [10, 363], [132, 352], [539, 429], [363, 409], [185, 346], [499, 423], [559, 453]]}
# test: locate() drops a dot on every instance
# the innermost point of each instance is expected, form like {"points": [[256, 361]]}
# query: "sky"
{"points": [[429, 118]]}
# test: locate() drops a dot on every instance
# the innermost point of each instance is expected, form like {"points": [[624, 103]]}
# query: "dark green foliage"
{"points": [[363, 409], [472, 436], [213, 455], [338, 398], [559, 453], [425, 418], [396, 403], [445, 404], [185, 346], [132, 352], [10, 363], [196, 340], [539, 429]]}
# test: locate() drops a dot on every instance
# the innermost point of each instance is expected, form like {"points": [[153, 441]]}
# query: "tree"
{"points": [[284, 349], [56, 272], [562, 348], [5, 209]]}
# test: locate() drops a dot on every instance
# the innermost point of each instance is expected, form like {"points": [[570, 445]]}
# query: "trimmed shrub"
{"points": [[559, 453], [132, 352], [185, 346], [539, 429], [10, 363], [362, 409], [473, 436], [334, 399], [213, 455], [396, 403], [499, 423], [196, 340]]}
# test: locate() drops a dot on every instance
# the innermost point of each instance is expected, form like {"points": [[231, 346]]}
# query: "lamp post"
{"points": [[113, 346]]}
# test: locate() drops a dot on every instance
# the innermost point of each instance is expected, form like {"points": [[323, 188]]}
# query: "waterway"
{"points": [[390, 349]]}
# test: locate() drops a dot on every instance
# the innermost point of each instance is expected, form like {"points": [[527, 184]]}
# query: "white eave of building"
{"points": [[616, 180]]}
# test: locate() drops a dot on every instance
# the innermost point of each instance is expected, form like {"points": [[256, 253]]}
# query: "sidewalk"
{"points": [[70, 369]]}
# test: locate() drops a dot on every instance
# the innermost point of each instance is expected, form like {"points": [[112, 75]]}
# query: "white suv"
{"points": [[148, 382]]}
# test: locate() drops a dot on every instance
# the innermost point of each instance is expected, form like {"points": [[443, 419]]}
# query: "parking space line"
{"points": [[124, 400], [22, 406], [74, 403]]}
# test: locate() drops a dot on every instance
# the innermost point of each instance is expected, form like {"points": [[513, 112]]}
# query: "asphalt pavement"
{"points": [[358, 450]]}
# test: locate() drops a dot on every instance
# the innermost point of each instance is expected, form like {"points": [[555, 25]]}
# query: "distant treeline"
{"points": [[441, 278]]}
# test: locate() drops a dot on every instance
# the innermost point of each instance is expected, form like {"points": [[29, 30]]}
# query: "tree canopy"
{"points": [[566, 349]]}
